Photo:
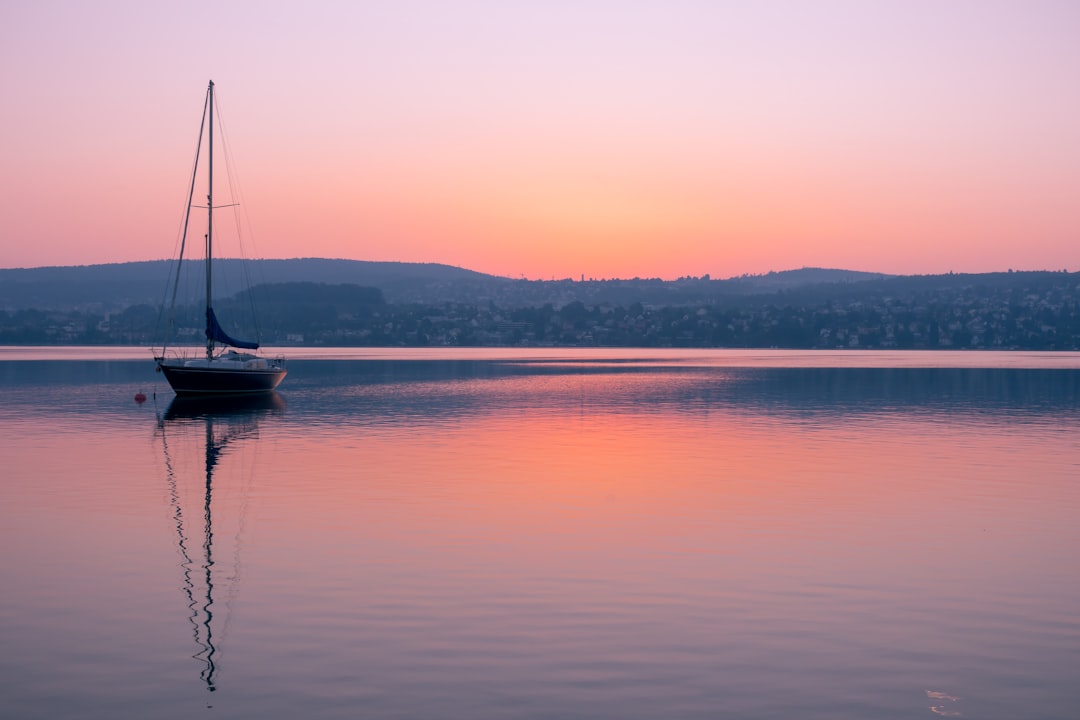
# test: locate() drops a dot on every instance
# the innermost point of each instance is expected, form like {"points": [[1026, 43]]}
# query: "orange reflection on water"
{"points": [[596, 491]]}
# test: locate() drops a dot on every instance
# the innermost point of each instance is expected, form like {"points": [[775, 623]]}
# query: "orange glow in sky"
{"points": [[555, 139]]}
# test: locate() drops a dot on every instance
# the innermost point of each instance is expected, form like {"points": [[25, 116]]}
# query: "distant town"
{"points": [[440, 306]]}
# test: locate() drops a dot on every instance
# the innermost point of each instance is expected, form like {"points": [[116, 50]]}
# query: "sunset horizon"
{"points": [[581, 277], [565, 140]]}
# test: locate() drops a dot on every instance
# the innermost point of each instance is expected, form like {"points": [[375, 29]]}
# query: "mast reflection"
{"points": [[226, 423]]}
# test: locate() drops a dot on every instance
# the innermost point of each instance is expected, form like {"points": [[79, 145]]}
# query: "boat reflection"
{"points": [[223, 406], [196, 434]]}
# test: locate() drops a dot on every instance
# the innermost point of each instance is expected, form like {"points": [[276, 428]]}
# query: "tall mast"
{"points": [[210, 221]]}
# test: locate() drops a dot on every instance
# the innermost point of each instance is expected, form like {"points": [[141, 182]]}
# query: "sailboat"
{"points": [[230, 369]]}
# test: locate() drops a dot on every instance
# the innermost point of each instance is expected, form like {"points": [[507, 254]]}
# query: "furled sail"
{"points": [[214, 332]]}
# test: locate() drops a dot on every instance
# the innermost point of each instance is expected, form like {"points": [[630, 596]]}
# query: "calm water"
{"points": [[548, 534]]}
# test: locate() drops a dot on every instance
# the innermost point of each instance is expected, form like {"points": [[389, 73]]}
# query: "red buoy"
{"points": [[140, 398]]}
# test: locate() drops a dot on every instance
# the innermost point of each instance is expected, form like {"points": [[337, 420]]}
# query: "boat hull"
{"points": [[220, 381]]}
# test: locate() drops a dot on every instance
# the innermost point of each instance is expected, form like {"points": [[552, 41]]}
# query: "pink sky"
{"points": [[610, 138]]}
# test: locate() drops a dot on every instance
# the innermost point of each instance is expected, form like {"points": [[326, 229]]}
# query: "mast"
{"points": [[210, 221]]}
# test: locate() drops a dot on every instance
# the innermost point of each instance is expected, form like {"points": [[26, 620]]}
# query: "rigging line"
{"points": [[247, 481], [182, 541], [187, 215], [235, 191], [180, 242], [230, 174], [176, 255], [240, 218]]}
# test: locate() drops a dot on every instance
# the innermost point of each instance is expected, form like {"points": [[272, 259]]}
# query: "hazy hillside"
{"points": [[111, 288], [116, 286], [804, 276], [424, 305]]}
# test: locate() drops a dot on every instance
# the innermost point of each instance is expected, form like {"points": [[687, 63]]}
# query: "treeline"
{"points": [[1044, 315], [269, 312]]}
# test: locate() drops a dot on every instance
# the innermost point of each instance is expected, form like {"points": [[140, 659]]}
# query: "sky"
{"points": [[555, 138]]}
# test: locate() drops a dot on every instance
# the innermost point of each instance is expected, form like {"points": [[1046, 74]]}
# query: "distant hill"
{"points": [[112, 288], [347, 303], [804, 276], [116, 286]]}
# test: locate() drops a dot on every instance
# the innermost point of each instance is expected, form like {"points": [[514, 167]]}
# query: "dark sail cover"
{"points": [[215, 333]]}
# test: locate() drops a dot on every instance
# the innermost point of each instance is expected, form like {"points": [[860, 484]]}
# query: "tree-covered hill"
{"points": [[117, 286]]}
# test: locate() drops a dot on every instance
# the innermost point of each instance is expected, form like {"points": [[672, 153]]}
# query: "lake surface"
{"points": [[544, 534]]}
